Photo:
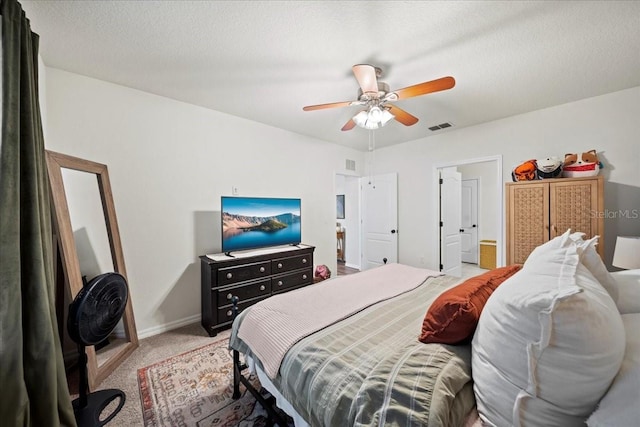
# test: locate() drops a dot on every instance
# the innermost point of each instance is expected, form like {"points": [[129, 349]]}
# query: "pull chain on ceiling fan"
{"points": [[376, 97]]}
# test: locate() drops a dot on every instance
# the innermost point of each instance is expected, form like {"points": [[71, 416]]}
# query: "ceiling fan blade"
{"points": [[402, 116], [349, 125], [423, 88], [330, 105], [366, 77]]}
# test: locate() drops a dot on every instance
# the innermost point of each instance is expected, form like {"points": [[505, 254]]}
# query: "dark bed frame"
{"points": [[268, 403]]}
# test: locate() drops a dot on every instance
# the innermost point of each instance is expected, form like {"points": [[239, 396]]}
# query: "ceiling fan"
{"points": [[376, 97]]}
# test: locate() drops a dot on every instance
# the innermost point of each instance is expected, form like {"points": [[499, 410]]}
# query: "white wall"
{"points": [[607, 123], [169, 163]]}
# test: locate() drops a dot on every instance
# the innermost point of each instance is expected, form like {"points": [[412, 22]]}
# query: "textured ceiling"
{"points": [[265, 60]]}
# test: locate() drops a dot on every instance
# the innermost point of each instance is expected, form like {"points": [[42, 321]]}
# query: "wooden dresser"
{"points": [[538, 211], [251, 278]]}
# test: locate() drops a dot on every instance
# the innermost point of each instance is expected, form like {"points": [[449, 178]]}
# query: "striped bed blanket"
{"points": [[369, 368], [275, 324]]}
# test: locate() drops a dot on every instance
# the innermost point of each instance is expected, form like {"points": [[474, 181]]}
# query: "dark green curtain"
{"points": [[32, 378]]}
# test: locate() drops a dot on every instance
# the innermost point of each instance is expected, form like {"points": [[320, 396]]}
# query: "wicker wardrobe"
{"points": [[538, 211]]}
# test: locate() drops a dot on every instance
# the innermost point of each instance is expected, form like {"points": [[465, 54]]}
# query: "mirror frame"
{"points": [[67, 248]]}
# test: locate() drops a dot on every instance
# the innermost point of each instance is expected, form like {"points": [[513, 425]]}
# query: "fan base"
{"points": [[89, 415]]}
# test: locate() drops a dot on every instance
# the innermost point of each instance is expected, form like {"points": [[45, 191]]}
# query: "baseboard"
{"points": [[155, 330], [357, 267]]}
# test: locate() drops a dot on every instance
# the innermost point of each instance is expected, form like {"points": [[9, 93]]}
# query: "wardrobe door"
{"points": [[577, 204], [527, 219]]}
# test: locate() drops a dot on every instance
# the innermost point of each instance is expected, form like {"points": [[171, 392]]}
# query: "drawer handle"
{"points": [[263, 287], [279, 265], [261, 269], [229, 313], [229, 275], [304, 260], [304, 276], [279, 282], [229, 296]]}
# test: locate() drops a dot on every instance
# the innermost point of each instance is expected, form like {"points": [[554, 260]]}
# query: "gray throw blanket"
{"points": [[273, 325], [370, 368]]}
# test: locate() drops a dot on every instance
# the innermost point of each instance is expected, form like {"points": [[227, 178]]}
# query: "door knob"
{"points": [[393, 231], [462, 230], [384, 260], [474, 226]]}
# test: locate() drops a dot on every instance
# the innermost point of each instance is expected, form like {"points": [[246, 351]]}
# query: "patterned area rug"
{"points": [[194, 389]]}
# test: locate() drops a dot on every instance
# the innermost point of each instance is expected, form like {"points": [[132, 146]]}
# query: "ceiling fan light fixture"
{"points": [[375, 114], [373, 118], [362, 120], [386, 117]]}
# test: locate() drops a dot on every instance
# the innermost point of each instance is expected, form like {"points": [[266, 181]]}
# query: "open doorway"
{"points": [[367, 221], [481, 216], [348, 233]]}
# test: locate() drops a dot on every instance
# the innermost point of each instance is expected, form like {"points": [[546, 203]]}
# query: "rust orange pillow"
{"points": [[454, 315]]}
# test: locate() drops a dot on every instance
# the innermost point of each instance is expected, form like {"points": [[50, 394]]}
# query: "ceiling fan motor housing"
{"points": [[383, 89]]}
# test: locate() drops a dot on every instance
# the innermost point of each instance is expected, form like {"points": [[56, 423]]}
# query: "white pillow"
{"points": [[591, 259], [547, 249], [621, 405], [627, 284], [548, 344], [551, 258]]}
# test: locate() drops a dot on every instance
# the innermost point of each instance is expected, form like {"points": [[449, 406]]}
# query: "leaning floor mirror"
{"points": [[89, 246]]}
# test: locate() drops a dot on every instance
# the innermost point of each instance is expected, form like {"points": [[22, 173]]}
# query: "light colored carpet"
{"points": [[151, 350]]}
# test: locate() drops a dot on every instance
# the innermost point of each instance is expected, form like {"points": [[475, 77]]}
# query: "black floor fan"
{"points": [[93, 315]]}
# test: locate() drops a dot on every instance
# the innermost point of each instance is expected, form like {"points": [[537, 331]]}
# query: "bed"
{"points": [[365, 365], [369, 366]]}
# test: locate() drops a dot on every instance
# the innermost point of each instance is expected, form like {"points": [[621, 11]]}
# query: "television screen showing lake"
{"points": [[254, 222], [235, 239]]}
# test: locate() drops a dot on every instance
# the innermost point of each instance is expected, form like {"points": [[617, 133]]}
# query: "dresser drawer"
{"points": [[290, 263], [244, 292], [251, 278], [225, 314], [286, 281], [244, 272]]}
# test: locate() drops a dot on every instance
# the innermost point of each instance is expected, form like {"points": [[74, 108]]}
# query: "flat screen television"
{"points": [[258, 222]]}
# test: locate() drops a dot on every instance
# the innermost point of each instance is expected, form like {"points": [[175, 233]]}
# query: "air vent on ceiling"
{"points": [[350, 165], [440, 126]]}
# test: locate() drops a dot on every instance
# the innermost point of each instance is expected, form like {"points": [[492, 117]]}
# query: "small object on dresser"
{"points": [[581, 165], [549, 167], [525, 171]]}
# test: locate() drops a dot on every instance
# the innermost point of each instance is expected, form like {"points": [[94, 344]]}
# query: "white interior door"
{"points": [[379, 220], [469, 220], [450, 221]]}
